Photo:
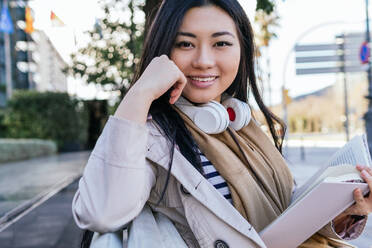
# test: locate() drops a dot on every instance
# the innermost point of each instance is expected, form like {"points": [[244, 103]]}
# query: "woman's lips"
{"points": [[202, 82]]}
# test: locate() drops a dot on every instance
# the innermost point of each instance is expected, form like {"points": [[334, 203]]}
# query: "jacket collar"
{"points": [[197, 185]]}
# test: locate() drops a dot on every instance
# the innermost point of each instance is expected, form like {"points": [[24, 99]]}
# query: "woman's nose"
{"points": [[204, 59]]}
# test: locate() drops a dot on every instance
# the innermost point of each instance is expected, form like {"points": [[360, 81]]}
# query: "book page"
{"points": [[340, 173], [355, 152]]}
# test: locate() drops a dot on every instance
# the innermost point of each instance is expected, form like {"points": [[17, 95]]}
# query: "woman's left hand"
{"points": [[363, 205]]}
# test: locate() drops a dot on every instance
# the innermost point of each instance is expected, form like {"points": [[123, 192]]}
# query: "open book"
{"points": [[323, 197]]}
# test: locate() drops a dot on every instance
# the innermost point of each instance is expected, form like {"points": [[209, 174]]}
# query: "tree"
{"points": [[267, 22], [266, 6], [109, 59]]}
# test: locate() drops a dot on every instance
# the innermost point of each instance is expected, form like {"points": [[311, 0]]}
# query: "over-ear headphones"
{"points": [[214, 117]]}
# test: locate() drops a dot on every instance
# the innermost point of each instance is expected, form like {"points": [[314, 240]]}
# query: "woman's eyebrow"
{"points": [[186, 34], [214, 35], [217, 34]]}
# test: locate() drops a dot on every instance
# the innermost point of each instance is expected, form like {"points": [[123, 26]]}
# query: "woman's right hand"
{"points": [[159, 76]]}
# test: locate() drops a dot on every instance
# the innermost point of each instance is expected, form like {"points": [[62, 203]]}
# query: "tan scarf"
{"points": [[257, 175]]}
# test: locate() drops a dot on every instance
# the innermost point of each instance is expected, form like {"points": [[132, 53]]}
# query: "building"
{"points": [[36, 64], [20, 78], [49, 65]]}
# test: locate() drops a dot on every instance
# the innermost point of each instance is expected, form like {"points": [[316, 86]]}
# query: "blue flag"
{"points": [[6, 24]]}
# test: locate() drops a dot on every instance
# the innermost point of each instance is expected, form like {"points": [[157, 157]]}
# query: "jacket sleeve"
{"points": [[351, 228], [117, 180]]}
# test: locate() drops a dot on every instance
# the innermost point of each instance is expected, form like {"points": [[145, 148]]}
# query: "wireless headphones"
{"points": [[214, 117]]}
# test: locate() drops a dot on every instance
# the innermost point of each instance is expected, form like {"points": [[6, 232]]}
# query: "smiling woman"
{"points": [[219, 188], [208, 54]]}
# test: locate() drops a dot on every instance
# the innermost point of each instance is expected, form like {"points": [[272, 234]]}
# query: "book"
{"points": [[323, 197]]}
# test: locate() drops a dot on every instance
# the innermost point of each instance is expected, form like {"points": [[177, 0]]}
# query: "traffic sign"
{"points": [[364, 53]]}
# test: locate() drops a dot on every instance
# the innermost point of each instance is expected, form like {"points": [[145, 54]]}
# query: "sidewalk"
{"points": [[48, 226], [23, 181], [35, 202]]}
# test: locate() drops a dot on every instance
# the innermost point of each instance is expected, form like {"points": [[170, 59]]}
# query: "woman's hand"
{"points": [[363, 205], [159, 76]]}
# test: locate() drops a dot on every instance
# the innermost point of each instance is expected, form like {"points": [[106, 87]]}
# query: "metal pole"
{"points": [[8, 62], [368, 115], [346, 123], [285, 110]]}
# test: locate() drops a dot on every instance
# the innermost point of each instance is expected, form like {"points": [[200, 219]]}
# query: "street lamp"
{"points": [[368, 115], [286, 61]]}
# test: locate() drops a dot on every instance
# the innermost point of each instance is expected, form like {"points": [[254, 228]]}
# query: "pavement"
{"points": [[48, 223], [35, 201]]}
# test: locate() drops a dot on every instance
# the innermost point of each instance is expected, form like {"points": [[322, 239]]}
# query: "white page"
{"points": [[355, 152]]}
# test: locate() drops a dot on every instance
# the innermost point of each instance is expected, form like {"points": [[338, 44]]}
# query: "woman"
{"points": [[219, 189]]}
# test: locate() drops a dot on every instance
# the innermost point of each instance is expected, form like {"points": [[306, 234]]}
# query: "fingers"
{"points": [[177, 90], [178, 86], [367, 176], [361, 206], [358, 196], [363, 167]]}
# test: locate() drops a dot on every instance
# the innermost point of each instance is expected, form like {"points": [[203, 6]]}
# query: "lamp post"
{"points": [[286, 61], [8, 61], [368, 115]]}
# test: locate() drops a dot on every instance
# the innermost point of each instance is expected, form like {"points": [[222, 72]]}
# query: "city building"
{"points": [[49, 65]]}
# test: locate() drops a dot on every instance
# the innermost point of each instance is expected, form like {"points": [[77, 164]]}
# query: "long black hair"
{"points": [[160, 40]]}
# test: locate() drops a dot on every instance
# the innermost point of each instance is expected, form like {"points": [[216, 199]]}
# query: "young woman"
{"points": [[219, 187]]}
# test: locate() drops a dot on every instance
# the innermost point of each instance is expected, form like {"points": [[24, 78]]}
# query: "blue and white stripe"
{"points": [[212, 175]]}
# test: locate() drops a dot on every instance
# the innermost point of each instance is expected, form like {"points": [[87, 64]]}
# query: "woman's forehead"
{"points": [[207, 19]]}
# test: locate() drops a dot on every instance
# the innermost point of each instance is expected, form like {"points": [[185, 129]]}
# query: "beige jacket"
{"points": [[128, 168]]}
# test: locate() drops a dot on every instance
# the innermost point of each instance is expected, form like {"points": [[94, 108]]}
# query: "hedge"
{"points": [[48, 116], [18, 149]]}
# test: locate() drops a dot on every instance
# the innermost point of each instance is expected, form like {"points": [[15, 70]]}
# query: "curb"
{"points": [[15, 214]]}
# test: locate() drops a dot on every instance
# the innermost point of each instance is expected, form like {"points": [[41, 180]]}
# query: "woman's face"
{"points": [[207, 51]]}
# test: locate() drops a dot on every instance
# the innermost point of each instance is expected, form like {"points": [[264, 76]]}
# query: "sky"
{"points": [[301, 21]]}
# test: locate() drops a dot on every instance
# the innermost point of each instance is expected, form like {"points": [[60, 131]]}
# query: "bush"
{"points": [[18, 149], [49, 115]]}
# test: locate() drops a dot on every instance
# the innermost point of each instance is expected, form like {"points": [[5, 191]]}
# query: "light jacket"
{"points": [[128, 168]]}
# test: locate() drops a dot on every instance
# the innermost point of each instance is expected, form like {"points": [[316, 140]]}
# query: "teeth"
{"points": [[203, 79]]}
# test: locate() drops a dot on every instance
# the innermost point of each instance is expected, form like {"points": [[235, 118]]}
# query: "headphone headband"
{"points": [[214, 117]]}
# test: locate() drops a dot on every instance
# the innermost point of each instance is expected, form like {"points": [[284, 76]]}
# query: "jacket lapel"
{"points": [[200, 188]]}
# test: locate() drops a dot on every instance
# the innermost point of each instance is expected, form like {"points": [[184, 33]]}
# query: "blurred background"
{"points": [[65, 65]]}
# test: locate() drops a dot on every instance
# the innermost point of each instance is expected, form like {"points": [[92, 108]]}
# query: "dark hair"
{"points": [[160, 40]]}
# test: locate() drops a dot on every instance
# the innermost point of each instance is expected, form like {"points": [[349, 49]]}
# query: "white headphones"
{"points": [[214, 117]]}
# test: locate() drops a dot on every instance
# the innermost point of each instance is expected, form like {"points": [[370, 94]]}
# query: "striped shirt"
{"points": [[212, 175]]}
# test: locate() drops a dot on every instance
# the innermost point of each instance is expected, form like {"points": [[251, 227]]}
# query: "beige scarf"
{"points": [[258, 177]]}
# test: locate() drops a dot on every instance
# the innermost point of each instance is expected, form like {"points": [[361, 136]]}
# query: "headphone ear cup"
{"points": [[207, 119], [248, 114], [211, 117], [224, 116], [239, 115]]}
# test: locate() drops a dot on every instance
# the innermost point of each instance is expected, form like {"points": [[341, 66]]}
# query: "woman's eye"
{"points": [[222, 44], [184, 44]]}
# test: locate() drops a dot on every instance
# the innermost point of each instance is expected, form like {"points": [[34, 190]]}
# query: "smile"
{"points": [[202, 81]]}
